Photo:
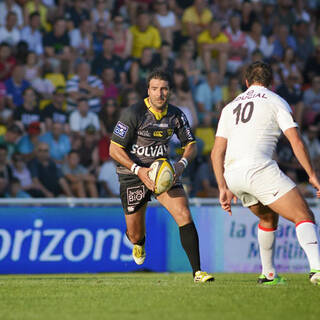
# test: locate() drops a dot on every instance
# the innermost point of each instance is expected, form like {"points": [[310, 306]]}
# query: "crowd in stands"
{"points": [[69, 67]]}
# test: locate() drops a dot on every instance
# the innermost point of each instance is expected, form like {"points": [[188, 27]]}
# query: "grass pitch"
{"points": [[143, 296]]}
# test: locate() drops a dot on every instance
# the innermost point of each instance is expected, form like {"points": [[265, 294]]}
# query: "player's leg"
{"points": [[266, 238], [136, 233], [134, 198], [176, 202], [293, 207]]}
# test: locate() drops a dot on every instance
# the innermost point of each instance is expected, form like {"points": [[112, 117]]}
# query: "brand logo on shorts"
{"points": [[130, 208], [135, 195], [120, 129], [275, 193]]}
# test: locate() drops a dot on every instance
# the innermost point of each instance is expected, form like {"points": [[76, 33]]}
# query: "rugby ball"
{"points": [[162, 175]]}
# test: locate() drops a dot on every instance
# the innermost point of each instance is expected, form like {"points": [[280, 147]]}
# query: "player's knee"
{"points": [[184, 215]]}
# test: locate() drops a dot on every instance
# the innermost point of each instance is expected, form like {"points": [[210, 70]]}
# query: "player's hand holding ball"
{"points": [[143, 174]]}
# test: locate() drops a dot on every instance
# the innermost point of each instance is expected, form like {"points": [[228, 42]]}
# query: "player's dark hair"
{"points": [[160, 74], [259, 72]]}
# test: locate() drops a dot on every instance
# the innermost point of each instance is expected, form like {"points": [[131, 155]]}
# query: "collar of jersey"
{"points": [[158, 115]]}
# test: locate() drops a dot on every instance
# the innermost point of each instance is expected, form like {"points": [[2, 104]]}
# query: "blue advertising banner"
{"points": [[79, 239], [63, 239]]}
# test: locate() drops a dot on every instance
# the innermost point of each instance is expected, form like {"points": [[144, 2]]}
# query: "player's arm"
{"points": [[190, 152], [217, 158], [188, 142], [118, 153], [302, 154]]}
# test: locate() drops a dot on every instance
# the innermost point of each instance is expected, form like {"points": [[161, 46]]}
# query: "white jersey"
{"points": [[252, 124]]}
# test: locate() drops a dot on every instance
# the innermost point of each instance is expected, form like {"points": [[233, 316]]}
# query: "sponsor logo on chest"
{"points": [[150, 151]]}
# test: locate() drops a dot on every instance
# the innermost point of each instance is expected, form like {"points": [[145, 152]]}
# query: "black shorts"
{"points": [[134, 194]]}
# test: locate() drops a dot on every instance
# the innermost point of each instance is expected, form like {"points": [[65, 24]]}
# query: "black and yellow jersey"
{"points": [[145, 133]]}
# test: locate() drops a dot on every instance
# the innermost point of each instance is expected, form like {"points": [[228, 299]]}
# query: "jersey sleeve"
{"points": [[125, 129], [222, 130], [183, 130], [284, 116]]}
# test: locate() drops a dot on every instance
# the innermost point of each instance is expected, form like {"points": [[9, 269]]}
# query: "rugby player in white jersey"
{"points": [[246, 138]]}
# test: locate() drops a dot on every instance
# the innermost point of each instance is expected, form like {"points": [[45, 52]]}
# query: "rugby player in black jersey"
{"points": [[142, 135]]}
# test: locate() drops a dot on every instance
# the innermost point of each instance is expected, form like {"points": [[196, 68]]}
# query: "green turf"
{"points": [[152, 296]]}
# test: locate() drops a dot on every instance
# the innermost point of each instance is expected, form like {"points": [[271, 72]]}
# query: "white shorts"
{"points": [[264, 183]]}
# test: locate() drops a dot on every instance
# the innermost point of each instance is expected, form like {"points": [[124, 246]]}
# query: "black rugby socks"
{"points": [[190, 243]]}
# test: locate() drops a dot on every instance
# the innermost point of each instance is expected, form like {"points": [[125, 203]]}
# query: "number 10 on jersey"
{"points": [[244, 113]]}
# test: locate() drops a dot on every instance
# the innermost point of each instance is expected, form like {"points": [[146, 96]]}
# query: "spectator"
{"points": [[183, 92], [204, 184], [57, 47], [20, 171], [284, 13], [7, 6], [188, 108], [9, 32], [165, 20], [89, 151], [109, 116], [108, 180], [84, 85], [196, 19], [186, 61], [248, 16], [303, 40], [16, 86], [238, 46], [27, 144], [144, 35], [267, 18], [109, 87], [98, 37], [164, 59], [100, 12], [291, 91], [232, 90], [82, 183], [282, 41], [299, 11], [208, 98], [122, 38], [311, 99], [81, 118], [10, 139], [310, 138], [256, 40], [15, 190], [312, 66], [32, 67], [108, 59], [81, 39], [222, 11], [76, 13], [55, 111], [5, 111], [140, 68], [214, 46], [129, 97], [5, 170], [7, 61], [288, 64], [46, 176], [36, 6], [59, 143], [29, 111], [32, 35]]}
